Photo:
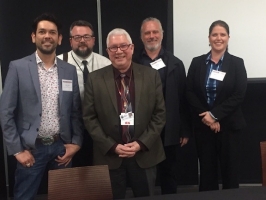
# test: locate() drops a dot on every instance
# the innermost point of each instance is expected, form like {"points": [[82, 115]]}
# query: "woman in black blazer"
{"points": [[216, 86]]}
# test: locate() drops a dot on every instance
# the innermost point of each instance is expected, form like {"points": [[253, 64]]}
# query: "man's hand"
{"points": [[125, 151], [25, 158], [215, 127], [207, 118], [71, 149], [183, 141], [134, 146]]}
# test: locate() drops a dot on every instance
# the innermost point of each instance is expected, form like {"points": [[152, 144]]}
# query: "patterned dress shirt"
{"points": [[50, 99]]}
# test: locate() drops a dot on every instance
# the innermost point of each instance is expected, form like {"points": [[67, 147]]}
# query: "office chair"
{"points": [[82, 183], [263, 161]]}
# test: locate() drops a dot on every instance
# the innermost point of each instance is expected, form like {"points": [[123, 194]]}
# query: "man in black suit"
{"points": [[173, 77]]}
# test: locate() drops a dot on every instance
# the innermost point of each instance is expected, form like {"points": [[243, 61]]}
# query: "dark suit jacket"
{"points": [[102, 121], [177, 109], [230, 92], [21, 105]]}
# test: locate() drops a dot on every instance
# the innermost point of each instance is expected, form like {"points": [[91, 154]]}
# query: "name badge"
{"points": [[127, 118], [158, 64], [67, 85], [217, 75]]}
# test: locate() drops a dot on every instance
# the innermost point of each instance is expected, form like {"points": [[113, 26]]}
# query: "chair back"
{"points": [[263, 161], [83, 183]]}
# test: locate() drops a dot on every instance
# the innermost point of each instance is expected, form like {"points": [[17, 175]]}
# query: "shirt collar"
{"points": [[161, 52], [117, 72], [39, 60], [79, 59], [208, 59]]}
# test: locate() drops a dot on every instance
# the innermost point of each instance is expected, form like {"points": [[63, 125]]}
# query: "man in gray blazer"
{"points": [[40, 110]]}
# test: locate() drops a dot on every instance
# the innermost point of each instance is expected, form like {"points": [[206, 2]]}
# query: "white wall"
{"points": [[247, 23]]}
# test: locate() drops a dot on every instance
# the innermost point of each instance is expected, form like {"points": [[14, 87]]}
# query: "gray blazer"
{"points": [[21, 106]]}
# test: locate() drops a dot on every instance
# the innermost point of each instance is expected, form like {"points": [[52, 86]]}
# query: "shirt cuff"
{"points": [[112, 149], [142, 146], [213, 116]]}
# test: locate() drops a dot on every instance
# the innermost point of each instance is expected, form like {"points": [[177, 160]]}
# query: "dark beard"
{"points": [[83, 54], [46, 52]]}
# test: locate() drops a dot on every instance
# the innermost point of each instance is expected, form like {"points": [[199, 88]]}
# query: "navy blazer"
{"points": [[21, 106], [230, 92]]}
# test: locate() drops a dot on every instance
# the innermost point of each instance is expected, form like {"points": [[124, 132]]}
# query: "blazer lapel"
{"points": [[61, 74], [203, 72], [170, 67], [138, 81], [225, 66], [110, 85], [33, 67]]}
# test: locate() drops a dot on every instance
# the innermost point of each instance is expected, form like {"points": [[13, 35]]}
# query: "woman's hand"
{"points": [[207, 118]]}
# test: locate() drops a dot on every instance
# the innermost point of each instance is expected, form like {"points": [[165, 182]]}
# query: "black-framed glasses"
{"points": [[122, 47], [78, 38]]}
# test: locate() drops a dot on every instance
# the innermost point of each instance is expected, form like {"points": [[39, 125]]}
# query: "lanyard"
{"points": [[92, 61]]}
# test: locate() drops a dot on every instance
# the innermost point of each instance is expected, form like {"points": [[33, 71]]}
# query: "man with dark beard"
{"points": [[82, 41], [40, 110]]}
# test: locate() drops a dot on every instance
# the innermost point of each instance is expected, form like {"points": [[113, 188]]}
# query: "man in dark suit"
{"points": [[173, 76], [41, 110], [124, 112]]}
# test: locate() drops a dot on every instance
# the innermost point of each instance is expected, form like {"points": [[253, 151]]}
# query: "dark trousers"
{"points": [[84, 157], [214, 149], [168, 170], [142, 181]]}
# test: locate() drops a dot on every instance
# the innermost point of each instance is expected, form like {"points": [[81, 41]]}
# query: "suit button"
{"points": [[37, 129]]}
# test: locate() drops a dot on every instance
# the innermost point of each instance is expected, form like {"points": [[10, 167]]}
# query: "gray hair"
{"points": [[118, 31], [151, 19]]}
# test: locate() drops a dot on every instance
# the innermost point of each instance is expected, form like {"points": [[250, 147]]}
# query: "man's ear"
{"points": [[33, 36], [60, 37]]}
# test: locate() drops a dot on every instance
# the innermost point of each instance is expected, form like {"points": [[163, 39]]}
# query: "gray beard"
{"points": [[154, 47]]}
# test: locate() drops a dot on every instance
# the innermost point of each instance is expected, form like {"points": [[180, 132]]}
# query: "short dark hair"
{"points": [[47, 17], [219, 23], [81, 23]]}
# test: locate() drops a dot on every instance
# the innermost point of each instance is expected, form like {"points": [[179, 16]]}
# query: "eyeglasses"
{"points": [[122, 47], [78, 38]]}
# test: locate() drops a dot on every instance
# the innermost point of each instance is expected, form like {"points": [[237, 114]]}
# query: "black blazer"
{"points": [[230, 92], [177, 109]]}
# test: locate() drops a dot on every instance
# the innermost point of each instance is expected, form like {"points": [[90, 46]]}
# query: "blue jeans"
{"points": [[27, 179]]}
